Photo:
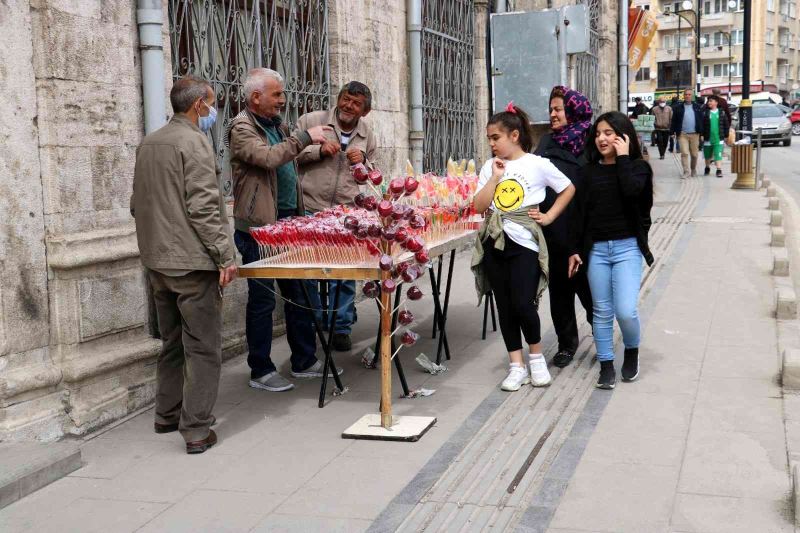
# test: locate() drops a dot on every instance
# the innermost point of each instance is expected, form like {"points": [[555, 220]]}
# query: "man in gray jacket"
{"points": [[185, 245], [324, 172]]}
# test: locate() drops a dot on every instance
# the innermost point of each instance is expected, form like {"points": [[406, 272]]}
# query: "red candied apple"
{"points": [[414, 293], [376, 177], [405, 317]]}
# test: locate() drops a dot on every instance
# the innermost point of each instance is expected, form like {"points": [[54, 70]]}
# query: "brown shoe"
{"points": [[165, 428], [199, 446]]}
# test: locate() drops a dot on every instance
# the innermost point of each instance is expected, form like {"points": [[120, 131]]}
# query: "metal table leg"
{"points": [[437, 313], [443, 321], [326, 346]]}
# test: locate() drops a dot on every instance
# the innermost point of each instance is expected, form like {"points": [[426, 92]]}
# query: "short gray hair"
{"points": [[186, 91], [257, 78]]}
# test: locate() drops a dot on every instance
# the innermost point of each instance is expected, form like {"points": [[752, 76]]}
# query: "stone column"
{"points": [[483, 99], [27, 371]]}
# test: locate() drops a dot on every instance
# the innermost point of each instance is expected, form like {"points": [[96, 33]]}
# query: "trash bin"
{"points": [[742, 158], [742, 165]]}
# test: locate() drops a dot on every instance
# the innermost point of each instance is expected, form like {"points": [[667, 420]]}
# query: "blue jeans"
{"points": [[260, 305], [615, 275], [346, 316]]}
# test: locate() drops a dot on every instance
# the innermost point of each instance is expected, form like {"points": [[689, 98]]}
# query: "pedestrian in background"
{"points": [[510, 255], [324, 172], [184, 243], [663, 123], [570, 120], [673, 103], [266, 189], [715, 130], [613, 201], [687, 125]]}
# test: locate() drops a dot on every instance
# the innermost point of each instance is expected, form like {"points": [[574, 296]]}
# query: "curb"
{"points": [[785, 218], [26, 467]]}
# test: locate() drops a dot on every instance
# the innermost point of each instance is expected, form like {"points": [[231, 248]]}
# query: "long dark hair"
{"points": [[621, 125], [515, 120]]}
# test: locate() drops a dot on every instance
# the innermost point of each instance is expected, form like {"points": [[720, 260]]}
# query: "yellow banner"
{"points": [[643, 32]]}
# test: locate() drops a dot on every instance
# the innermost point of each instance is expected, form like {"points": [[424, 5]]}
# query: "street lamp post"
{"points": [[687, 6]]}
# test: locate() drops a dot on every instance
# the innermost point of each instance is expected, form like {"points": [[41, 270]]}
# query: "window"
{"points": [[707, 8], [771, 5], [767, 37], [768, 68], [675, 73], [736, 70], [684, 40], [667, 42], [792, 10], [646, 7], [718, 38], [738, 36], [643, 74], [717, 70], [719, 6], [706, 71]]}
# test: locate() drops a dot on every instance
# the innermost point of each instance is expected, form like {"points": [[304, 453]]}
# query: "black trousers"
{"points": [[662, 139], [514, 277], [562, 299]]}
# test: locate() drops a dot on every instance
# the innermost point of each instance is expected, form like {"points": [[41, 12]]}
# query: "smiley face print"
{"points": [[509, 195]]}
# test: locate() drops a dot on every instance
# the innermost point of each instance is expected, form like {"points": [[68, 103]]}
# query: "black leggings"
{"points": [[514, 277]]}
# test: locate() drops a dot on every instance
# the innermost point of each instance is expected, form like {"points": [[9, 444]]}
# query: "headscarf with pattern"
{"points": [[578, 110]]}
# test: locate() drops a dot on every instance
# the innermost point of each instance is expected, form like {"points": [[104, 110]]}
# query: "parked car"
{"points": [[775, 125]]}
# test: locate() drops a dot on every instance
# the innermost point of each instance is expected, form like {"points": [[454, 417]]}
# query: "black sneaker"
{"points": [[608, 378], [341, 342], [630, 368], [562, 358], [719, 172], [707, 171]]}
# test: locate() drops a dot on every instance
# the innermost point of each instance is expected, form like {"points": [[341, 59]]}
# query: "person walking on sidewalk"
{"points": [[663, 125], [687, 124], [715, 131], [325, 177], [185, 246], [265, 189], [510, 255], [570, 120], [673, 103], [613, 201]]}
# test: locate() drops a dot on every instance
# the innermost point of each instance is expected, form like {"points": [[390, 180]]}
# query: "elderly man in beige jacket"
{"points": [[185, 245], [324, 173]]}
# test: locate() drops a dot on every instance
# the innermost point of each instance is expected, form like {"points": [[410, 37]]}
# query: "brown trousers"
{"points": [[690, 147], [187, 376]]}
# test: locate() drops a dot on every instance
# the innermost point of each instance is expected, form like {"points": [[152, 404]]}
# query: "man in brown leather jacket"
{"points": [[185, 245], [326, 180], [265, 189]]}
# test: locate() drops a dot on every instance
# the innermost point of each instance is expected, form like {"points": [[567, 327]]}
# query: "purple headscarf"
{"points": [[578, 110]]}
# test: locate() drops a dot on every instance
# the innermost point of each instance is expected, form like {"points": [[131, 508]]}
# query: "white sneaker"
{"points": [[540, 376], [517, 377]]}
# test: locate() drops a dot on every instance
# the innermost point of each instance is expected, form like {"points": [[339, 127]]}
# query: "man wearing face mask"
{"points": [[663, 123], [325, 175], [265, 189], [184, 244]]}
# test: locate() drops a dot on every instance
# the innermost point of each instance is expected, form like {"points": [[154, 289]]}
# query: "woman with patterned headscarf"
{"points": [[570, 120]]}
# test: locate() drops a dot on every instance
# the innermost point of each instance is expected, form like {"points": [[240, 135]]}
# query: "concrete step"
{"points": [[26, 467]]}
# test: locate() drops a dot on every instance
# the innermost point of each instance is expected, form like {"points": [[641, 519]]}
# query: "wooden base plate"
{"points": [[404, 428]]}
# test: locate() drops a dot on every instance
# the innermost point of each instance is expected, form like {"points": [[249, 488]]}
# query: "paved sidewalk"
{"points": [[695, 445]]}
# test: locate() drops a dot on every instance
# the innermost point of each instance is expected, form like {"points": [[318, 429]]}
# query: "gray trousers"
{"points": [[187, 376]]}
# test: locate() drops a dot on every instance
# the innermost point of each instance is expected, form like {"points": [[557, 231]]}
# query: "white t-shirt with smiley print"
{"points": [[523, 186]]}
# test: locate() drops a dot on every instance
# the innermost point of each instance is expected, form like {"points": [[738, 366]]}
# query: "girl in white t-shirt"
{"points": [[515, 180]]}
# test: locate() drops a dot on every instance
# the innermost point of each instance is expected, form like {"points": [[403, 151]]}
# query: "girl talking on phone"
{"points": [[612, 218]]}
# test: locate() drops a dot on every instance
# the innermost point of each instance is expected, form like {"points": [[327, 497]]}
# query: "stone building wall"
{"points": [[75, 353]]}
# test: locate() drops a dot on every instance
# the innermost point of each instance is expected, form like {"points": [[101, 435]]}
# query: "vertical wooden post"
{"points": [[386, 343], [386, 356]]}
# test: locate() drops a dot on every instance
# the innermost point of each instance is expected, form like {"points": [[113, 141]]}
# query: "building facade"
{"points": [[77, 349], [775, 59]]}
